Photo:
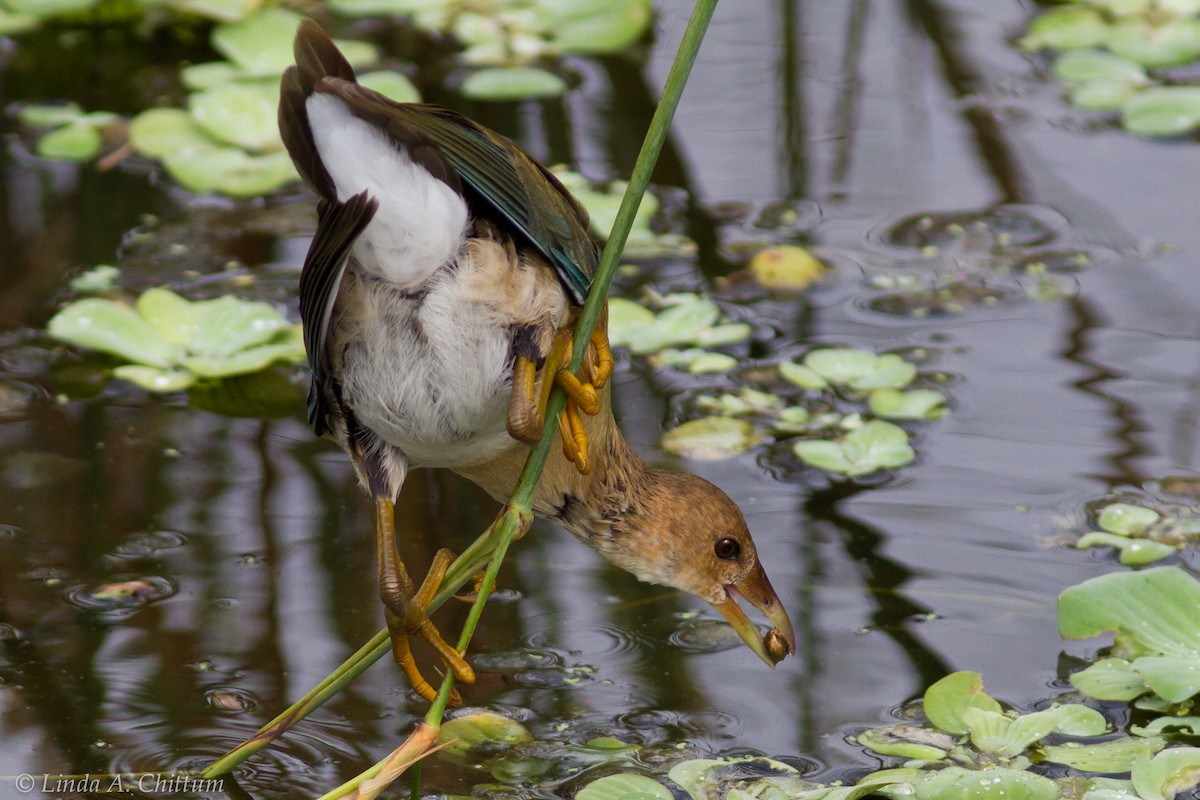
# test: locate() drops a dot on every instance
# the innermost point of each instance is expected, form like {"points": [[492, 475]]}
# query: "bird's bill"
{"points": [[780, 641]]}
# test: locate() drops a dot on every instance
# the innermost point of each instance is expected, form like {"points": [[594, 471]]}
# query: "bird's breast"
{"points": [[430, 370]]}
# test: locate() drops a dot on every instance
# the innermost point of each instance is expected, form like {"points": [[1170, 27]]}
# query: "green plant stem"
{"points": [[518, 514]]}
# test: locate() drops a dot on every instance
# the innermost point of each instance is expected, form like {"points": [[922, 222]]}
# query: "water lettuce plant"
{"points": [[823, 399], [1113, 56], [1140, 534], [1155, 659], [170, 343], [682, 319]]}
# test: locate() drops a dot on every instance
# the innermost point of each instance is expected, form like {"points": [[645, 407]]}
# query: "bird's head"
{"points": [[686, 533]]}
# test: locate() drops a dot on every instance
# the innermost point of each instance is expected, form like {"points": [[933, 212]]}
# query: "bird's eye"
{"points": [[728, 549]]}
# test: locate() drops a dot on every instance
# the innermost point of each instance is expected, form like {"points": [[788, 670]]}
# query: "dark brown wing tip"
{"points": [[317, 56]]}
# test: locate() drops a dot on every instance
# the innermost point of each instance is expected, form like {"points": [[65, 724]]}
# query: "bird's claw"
{"points": [[406, 616]]}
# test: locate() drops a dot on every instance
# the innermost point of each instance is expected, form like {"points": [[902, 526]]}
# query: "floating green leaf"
{"points": [[1065, 28], [947, 700], [1127, 519], [75, 142], [112, 328], [1110, 679], [860, 369], [1156, 44], [597, 27], [1077, 66], [1132, 552], [991, 783], [393, 85], [512, 83], [876, 445], [710, 438], [159, 132], [1153, 614], [1163, 111], [1167, 774], [1118, 755], [624, 786], [173, 341], [915, 404], [462, 733], [802, 376], [242, 114]]}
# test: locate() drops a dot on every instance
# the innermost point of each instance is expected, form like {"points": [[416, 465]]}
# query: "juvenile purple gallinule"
{"points": [[439, 299]]}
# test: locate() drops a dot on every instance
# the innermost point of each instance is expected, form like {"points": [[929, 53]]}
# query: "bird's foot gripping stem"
{"points": [[405, 608], [527, 410]]}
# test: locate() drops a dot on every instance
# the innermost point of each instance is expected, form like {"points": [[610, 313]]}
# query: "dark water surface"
{"points": [[262, 548]]}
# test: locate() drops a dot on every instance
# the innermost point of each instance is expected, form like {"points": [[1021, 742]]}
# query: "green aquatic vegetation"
{"points": [[602, 202], [839, 384], [1111, 56], [711, 438], [1156, 652], [876, 445], [683, 319], [72, 135], [1146, 525], [975, 748], [171, 343], [517, 33], [20, 16]]}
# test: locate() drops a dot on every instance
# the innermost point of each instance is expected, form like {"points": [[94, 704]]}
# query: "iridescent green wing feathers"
{"points": [[497, 178], [516, 187]]}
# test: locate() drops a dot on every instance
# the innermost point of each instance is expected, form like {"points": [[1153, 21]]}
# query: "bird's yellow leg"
{"points": [[405, 606], [525, 413]]}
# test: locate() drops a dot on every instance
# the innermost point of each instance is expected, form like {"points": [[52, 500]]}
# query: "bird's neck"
{"points": [[587, 505]]}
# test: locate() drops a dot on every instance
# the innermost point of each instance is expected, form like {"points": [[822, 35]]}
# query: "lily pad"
{"points": [[159, 132], [1118, 755], [624, 786], [599, 27], [915, 404], [860, 369], [242, 114], [469, 730], [1110, 679], [1167, 774], [710, 438], [1167, 44], [512, 83], [173, 342], [786, 267], [75, 142], [392, 85], [956, 783], [876, 445], [947, 700], [1163, 111], [1065, 28], [1158, 634]]}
